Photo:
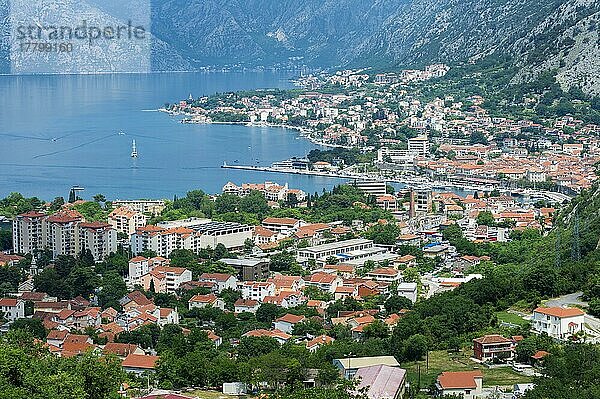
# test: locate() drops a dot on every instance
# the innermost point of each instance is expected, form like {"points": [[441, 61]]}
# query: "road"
{"points": [[573, 299]]}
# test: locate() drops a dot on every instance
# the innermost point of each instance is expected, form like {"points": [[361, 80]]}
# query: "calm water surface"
{"points": [[60, 131]]}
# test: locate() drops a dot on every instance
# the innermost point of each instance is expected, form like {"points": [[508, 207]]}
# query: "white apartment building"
{"points": [[126, 221], [257, 290], [100, 238], [64, 233], [27, 232], [60, 233], [344, 250], [154, 207], [163, 241], [559, 323], [419, 145], [222, 281], [371, 187], [12, 309]]}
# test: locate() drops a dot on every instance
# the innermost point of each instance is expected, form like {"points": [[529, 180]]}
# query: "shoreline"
{"points": [[304, 132]]}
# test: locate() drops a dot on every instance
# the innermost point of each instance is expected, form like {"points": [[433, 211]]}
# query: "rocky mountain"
{"points": [[537, 34]]}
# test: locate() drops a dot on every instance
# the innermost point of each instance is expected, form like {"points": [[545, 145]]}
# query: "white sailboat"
{"points": [[134, 153]]}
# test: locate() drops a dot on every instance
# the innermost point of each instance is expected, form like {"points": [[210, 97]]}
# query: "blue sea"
{"points": [[57, 131]]}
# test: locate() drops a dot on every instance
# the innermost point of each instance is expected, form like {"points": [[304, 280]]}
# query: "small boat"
{"points": [[236, 161], [134, 153], [121, 133]]}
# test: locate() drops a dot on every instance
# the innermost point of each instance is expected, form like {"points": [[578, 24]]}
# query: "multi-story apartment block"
{"points": [[63, 233], [127, 221], [257, 290], [27, 232], [166, 279], [194, 237], [100, 238], [153, 207]]}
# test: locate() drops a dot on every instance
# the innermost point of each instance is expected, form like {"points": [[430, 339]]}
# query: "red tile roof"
{"points": [[140, 361], [560, 312], [459, 379]]}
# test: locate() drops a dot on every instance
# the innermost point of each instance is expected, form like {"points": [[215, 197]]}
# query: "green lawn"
{"points": [[512, 318], [443, 361]]}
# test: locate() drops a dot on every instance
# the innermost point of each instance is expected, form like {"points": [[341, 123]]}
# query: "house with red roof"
{"points": [[490, 347], [287, 322], [139, 364], [280, 336], [314, 344], [285, 226], [246, 305], [559, 323], [202, 301], [12, 308], [465, 384], [222, 281]]}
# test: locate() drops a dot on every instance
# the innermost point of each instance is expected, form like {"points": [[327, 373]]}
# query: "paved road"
{"points": [[565, 300]]}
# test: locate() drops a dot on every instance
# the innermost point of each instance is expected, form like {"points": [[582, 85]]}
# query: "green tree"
{"points": [[415, 347], [5, 240], [395, 303], [113, 289], [267, 312], [35, 327]]}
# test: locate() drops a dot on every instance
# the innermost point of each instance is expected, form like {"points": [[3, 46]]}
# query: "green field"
{"points": [[443, 361], [512, 318]]}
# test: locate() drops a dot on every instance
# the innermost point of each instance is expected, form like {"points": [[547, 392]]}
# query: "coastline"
{"points": [[304, 132]]}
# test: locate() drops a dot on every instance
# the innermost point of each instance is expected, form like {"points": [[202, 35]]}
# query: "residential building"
{"points": [[139, 364], [64, 233], [490, 347], [202, 301], [287, 322], [382, 381], [126, 221], [371, 187], [285, 226], [222, 281], [249, 269], [27, 232], [12, 309], [166, 279], [349, 366], [465, 384], [60, 233], [97, 237], [385, 274], [192, 236], [153, 207], [327, 282], [314, 344], [257, 290], [419, 145], [246, 305], [408, 290], [559, 323]]}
